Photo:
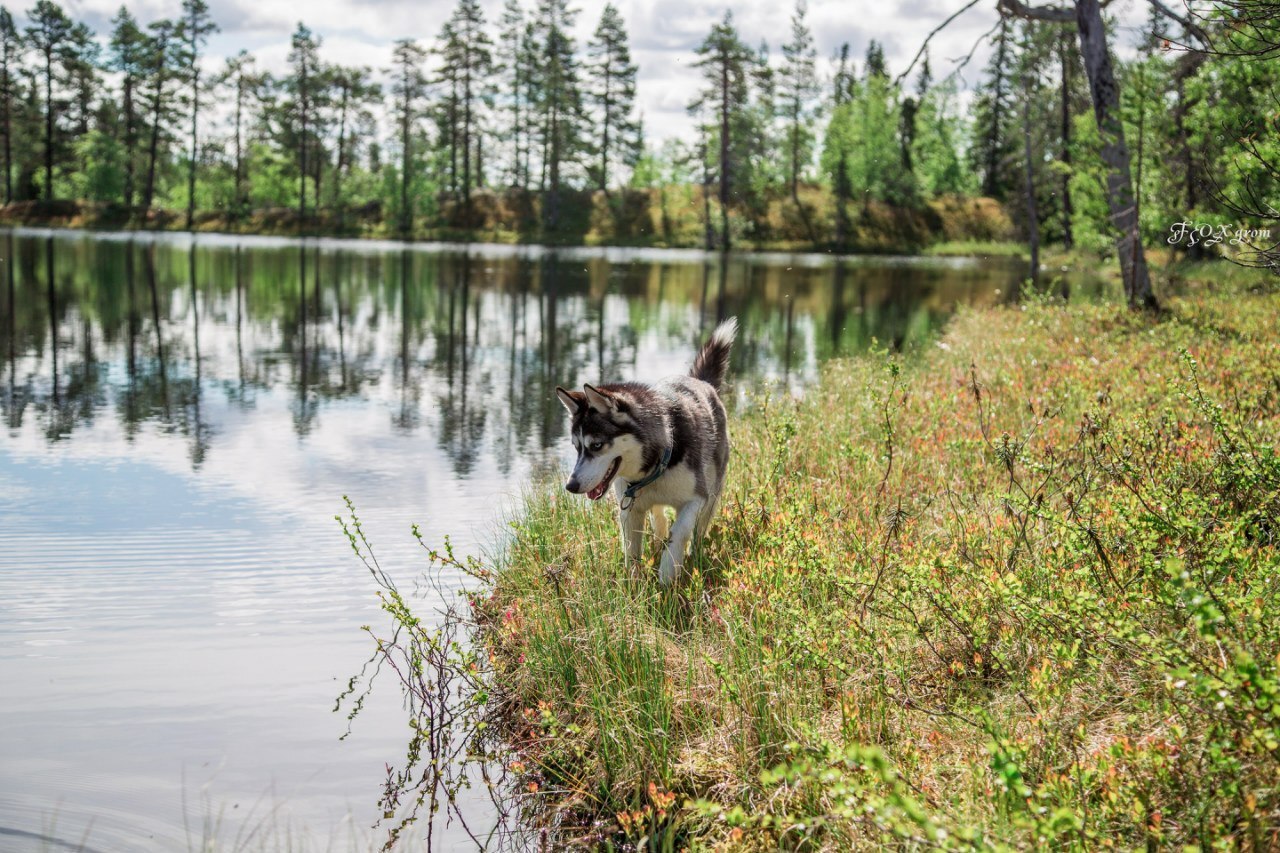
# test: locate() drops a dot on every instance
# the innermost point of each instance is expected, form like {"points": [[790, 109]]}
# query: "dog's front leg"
{"points": [[632, 523], [681, 531]]}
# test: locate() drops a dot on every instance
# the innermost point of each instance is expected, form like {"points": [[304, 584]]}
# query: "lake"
{"points": [[182, 417]]}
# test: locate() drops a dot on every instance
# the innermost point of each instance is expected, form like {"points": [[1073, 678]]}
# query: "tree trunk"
{"points": [[406, 218], [154, 147], [129, 142], [302, 146], [1115, 154], [1033, 220], [239, 187], [842, 199], [725, 239], [1185, 69], [708, 233], [342, 157], [48, 125], [991, 181], [552, 201], [453, 138], [8, 133], [607, 110], [466, 144], [1142, 138], [795, 151], [195, 143], [1064, 57]]}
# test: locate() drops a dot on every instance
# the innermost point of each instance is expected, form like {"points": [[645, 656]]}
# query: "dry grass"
{"points": [[1018, 590]]}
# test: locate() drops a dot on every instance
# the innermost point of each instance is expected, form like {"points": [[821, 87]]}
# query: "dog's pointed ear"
{"points": [[571, 400], [598, 400]]}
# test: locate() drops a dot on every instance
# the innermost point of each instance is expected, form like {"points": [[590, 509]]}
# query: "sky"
{"points": [[663, 34]]}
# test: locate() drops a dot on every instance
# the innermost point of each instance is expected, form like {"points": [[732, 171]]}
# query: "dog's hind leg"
{"points": [[632, 523], [661, 525], [681, 532]]}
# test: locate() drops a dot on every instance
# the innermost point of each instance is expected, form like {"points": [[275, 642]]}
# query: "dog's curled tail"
{"points": [[712, 362]]}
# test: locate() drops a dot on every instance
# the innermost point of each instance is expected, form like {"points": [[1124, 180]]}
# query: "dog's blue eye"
{"points": [[596, 445]]}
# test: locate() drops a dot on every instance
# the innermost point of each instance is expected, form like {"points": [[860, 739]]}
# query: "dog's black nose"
{"points": [[573, 486]]}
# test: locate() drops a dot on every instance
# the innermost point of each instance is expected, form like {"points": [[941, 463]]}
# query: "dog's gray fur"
{"points": [[621, 431]]}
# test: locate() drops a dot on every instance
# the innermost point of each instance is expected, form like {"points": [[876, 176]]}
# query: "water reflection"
{"points": [[182, 417], [468, 344]]}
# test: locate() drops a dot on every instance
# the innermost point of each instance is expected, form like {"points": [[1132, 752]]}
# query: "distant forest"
{"points": [[517, 126]]}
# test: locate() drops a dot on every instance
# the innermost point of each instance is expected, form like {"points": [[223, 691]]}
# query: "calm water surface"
{"points": [[178, 609]]}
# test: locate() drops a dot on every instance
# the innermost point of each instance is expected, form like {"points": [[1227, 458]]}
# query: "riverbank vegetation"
{"points": [[511, 129], [1018, 589]]}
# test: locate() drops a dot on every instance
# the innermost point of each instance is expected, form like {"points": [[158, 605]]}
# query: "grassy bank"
{"points": [[1018, 590], [663, 217]]}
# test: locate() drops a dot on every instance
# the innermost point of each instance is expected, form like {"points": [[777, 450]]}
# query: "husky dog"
{"points": [[661, 445]]}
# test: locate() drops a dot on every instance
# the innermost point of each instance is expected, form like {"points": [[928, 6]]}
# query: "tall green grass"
{"points": [[1018, 591]]}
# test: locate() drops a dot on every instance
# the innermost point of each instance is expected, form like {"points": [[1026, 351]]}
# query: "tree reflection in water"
{"points": [[463, 345]]}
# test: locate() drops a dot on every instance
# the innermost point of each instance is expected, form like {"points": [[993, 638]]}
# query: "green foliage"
{"points": [[103, 176], [520, 105], [1021, 593], [939, 169], [799, 95], [1090, 218], [863, 135], [994, 138], [613, 93]]}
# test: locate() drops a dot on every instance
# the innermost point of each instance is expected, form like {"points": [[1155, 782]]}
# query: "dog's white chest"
{"points": [[675, 488]]}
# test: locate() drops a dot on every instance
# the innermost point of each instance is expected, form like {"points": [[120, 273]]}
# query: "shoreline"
{"points": [[900, 609], [953, 225], [994, 252]]}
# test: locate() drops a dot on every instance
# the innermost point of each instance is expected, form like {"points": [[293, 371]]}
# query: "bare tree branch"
{"points": [[1186, 22], [1036, 13], [962, 61], [924, 46]]}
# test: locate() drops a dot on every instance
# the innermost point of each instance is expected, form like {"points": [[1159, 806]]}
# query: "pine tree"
{"points": [[863, 143], [876, 66], [836, 157], [800, 91], [196, 27], [304, 89], [1029, 73], [128, 58], [83, 64], [992, 148], [559, 101], [910, 111], [246, 84], [465, 51], [11, 50], [613, 94], [762, 166], [163, 61], [799, 86], [49, 34], [936, 143], [1067, 58], [354, 97], [530, 53], [514, 72], [409, 90], [447, 111], [724, 61]]}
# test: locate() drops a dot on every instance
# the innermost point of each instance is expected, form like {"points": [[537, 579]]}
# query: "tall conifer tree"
{"points": [[613, 94]]}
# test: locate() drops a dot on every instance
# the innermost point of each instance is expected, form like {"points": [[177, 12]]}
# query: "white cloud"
{"points": [[664, 34]]}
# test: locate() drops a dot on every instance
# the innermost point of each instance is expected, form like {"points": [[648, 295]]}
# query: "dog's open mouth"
{"points": [[598, 492]]}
